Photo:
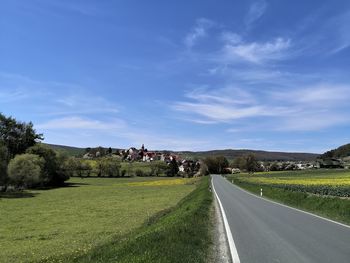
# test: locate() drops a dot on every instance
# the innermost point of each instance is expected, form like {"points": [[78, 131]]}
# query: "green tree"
{"points": [[70, 166], [203, 169], [82, 168], [252, 164], [110, 151], [240, 163], [25, 170], [216, 164], [222, 163], [52, 172], [62, 170], [109, 167], [3, 164], [158, 168], [173, 168], [17, 136]]}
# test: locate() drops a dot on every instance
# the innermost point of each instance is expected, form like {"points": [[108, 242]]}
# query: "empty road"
{"points": [[267, 232]]}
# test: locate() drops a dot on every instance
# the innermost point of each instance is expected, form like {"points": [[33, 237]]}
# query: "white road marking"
{"points": [[233, 249], [296, 209]]}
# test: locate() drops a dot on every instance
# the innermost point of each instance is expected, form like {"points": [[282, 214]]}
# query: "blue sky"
{"points": [[181, 75]]}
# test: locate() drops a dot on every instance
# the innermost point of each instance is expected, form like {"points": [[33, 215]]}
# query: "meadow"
{"points": [[324, 192], [68, 222]]}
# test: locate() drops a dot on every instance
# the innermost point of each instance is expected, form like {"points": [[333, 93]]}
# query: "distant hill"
{"points": [[260, 155], [340, 152], [229, 154], [69, 150]]}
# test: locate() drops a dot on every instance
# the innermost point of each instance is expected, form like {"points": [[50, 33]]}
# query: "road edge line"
{"points": [[290, 207], [231, 242]]}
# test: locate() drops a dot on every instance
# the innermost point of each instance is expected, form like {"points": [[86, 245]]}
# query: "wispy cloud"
{"points": [[323, 106], [255, 12], [340, 26], [200, 30], [324, 95], [258, 52], [47, 98], [231, 38], [77, 122]]}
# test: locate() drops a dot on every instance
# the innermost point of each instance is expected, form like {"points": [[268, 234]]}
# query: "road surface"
{"points": [[267, 232]]}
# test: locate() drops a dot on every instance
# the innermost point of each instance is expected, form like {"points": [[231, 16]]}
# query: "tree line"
{"points": [[24, 161], [219, 164]]}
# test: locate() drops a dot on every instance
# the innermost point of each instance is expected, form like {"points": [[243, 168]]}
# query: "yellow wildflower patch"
{"points": [[166, 182], [337, 181]]}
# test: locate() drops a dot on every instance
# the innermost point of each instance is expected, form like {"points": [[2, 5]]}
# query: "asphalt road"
{"points": [[266, 232]]}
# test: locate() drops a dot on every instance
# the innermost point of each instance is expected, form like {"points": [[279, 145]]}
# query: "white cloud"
{"points": [[231, 38], [226, 95], [199, 31], [255, 12], [219, 112], [323, 95], [295, 109], [340, 25], [77, 122], [313, 121], [48, 98], [258, 52]]}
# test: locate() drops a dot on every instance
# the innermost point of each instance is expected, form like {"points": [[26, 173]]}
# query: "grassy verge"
{"points": [[331, 207], [181, 234]]}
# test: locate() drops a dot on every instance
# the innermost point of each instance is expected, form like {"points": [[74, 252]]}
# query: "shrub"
{"points": [[139, 173], [62, 171], [109, 167], [158, 168], [26, 170], [52, 172]]}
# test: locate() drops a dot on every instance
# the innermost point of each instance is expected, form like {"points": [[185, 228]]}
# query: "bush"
{"points": [[109, 167], [52, 172], [62, 171], [139, 173], [158, 168], [76, 167], [25, 170], [173, 168]]}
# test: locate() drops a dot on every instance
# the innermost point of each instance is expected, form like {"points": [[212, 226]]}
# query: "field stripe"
{"points": [[293, 208], [233, 249]]}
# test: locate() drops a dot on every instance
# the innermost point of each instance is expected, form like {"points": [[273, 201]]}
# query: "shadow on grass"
{"points": [[65, 185], [17, 194], [26, 194]]}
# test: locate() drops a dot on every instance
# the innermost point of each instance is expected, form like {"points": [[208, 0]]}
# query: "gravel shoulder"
{"points": [[220, 252]]}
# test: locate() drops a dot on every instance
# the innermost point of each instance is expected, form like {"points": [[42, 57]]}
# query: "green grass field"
{"points": [[324, 192], [48, 225], [181, 234]]}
